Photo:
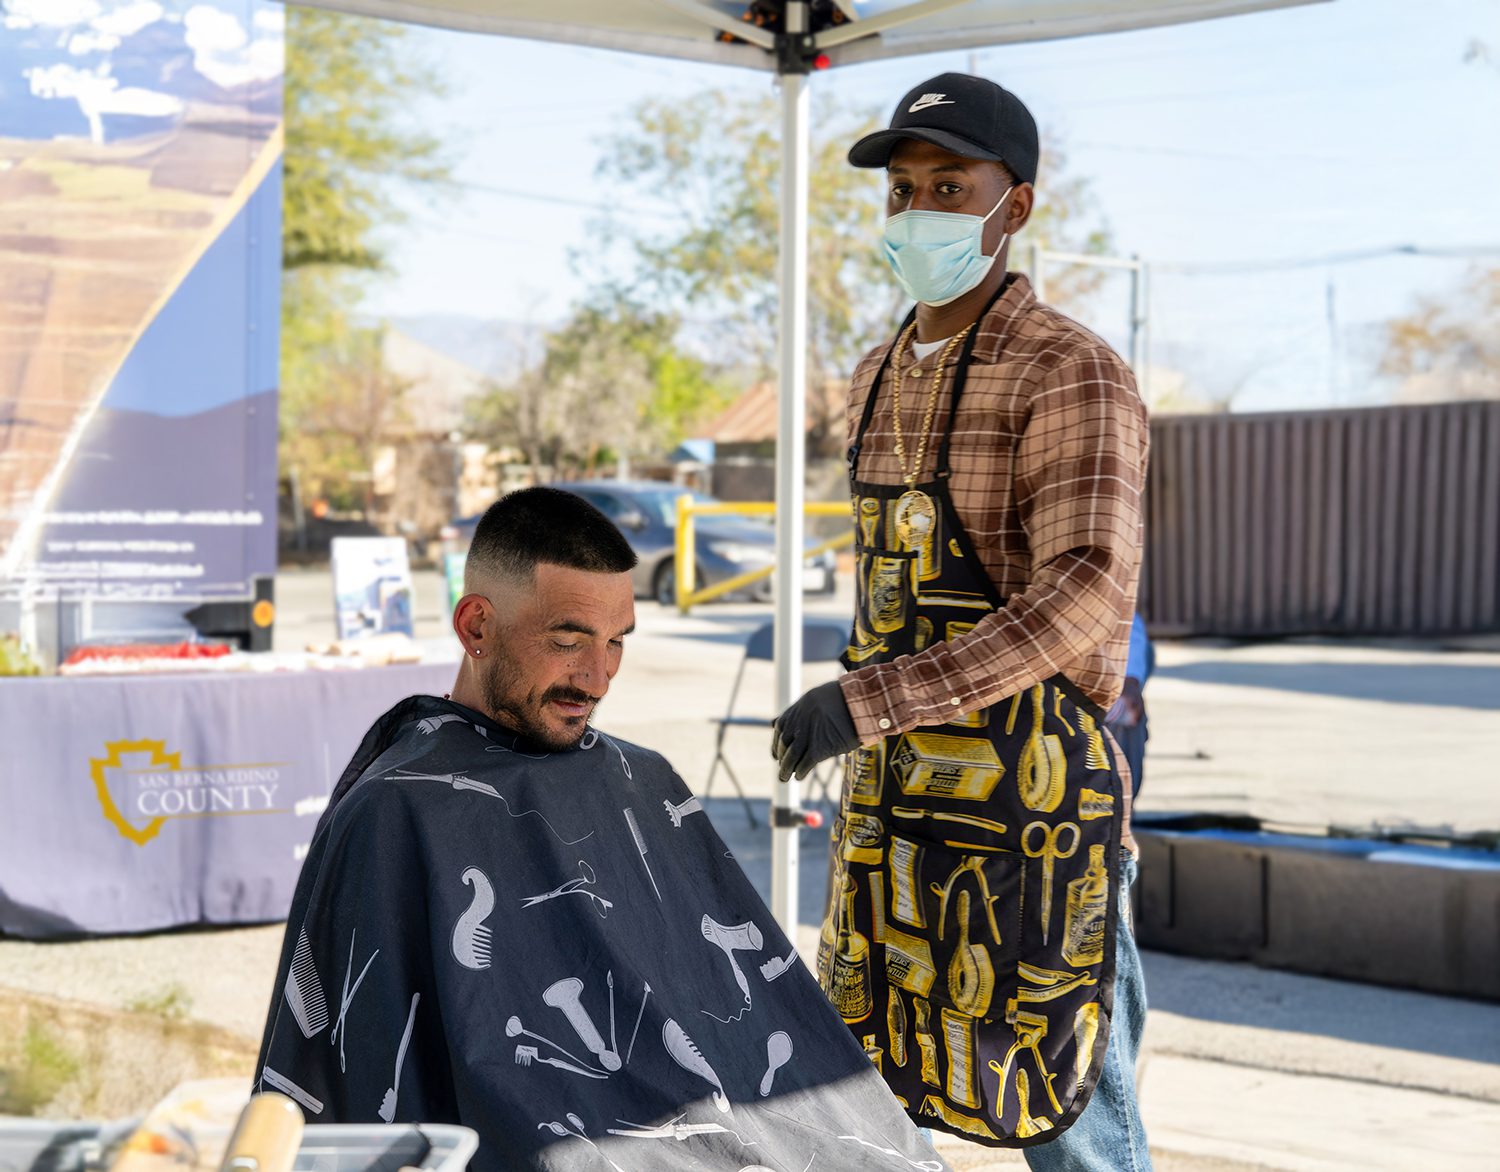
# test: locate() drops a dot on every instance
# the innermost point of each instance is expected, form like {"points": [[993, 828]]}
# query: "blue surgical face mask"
{"points": [[939, 256]]}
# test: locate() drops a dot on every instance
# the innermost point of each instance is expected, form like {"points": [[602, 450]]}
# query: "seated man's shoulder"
{"points": [[396, 791], [631, 754]]}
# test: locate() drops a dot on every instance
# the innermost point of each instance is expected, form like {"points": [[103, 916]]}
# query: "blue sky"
{"points": [[1286, 135]]}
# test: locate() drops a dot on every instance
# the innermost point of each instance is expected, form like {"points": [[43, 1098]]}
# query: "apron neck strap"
{"points": [[961, 377]]}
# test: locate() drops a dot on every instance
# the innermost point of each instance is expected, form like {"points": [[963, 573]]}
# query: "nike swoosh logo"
{"points": [[929, 100]]}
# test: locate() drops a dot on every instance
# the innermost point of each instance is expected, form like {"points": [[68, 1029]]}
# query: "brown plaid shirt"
{"points": [[1048, 463]]}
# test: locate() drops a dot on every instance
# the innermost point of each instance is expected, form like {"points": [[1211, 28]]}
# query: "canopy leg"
{"points": [[791, 459]]}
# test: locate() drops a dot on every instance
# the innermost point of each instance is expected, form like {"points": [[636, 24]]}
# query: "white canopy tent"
{"points": [[851, 31]]}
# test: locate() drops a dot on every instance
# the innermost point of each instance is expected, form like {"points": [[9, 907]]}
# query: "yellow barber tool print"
{"points": [[864, 839], [1050, 984], [1049, 843], [876, 884], [895, 1024], [1095, 757], [908, 962], [888, 593], [1010, 716], [938, 765], [1085, 1033], [1028, 1124], [1031, 1028], [963, 1081], [850, 981], [906, 900], [1041, 773], [926, 1043], [973, 864], [865, 770], [1057, 701], [971, 976], [934, 1106], [913, 812], [1087, 913]]}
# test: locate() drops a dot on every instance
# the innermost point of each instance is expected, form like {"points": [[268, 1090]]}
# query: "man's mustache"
{"points": [[568, 696]]}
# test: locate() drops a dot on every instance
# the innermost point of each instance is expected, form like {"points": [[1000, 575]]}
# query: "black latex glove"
{"points": [[812, 730]]}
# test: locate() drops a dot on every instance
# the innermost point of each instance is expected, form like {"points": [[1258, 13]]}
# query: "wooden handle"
{"points": [[267, 1136]]}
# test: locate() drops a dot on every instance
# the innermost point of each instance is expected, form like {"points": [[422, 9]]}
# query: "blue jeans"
{"points": [[1109, 1135]]}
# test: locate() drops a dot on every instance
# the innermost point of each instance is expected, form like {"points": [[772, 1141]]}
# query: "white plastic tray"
{"points": [[332, 1147]]}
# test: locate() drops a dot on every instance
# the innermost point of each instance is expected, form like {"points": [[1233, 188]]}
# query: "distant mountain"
{"points": [[498, 349]]}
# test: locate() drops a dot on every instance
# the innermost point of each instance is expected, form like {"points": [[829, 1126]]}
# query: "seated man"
{"points": [[511, 921]]}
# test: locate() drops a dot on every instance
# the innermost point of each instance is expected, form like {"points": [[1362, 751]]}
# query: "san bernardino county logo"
{"points": [[154, 788]]}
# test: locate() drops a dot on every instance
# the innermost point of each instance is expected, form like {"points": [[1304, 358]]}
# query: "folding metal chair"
{"points": [[823, 641]]}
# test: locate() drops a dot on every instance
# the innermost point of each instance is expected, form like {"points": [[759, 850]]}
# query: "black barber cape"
{"points": [[557, 950]]}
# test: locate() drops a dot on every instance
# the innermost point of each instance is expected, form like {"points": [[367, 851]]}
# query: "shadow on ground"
{"points": [[1439, 685], [1240, 994]]}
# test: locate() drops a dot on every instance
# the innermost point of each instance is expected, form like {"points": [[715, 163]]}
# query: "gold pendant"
{"points": [[916, 519]]}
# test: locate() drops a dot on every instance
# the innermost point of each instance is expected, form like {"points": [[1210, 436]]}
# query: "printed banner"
{"points": [[140, 196]]}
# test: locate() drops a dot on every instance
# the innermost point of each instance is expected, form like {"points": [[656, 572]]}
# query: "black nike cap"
{"points": [[970, 116]]}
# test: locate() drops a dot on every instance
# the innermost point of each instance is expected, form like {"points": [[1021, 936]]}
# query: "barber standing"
{"points": [[978, 939]]}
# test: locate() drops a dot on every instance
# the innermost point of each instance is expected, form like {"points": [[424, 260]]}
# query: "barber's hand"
{"points": [[812, 730], [1129, 709]]}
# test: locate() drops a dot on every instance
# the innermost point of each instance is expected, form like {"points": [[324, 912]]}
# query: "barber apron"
{"points": [[970, 936]]}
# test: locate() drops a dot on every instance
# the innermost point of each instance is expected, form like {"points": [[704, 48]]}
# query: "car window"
{"points": [[661, 504], [611, 506]]}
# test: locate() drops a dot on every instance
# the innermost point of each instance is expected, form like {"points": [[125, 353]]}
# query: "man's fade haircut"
{"points": [[536, 526]]}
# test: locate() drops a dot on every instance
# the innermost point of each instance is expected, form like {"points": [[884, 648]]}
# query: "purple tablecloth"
{"points": [[136, 803]]}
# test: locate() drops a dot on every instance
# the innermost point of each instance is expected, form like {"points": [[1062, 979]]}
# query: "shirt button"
{"points": [[884, 722], [954, 701], [916, 372]]}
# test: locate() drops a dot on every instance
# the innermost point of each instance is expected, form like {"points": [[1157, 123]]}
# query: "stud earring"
{"points": [[478, 651]]}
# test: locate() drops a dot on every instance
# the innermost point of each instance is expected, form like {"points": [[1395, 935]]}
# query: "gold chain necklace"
{"points": [[902, 345]]}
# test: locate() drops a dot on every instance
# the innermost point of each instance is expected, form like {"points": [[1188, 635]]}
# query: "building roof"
{"points": [[752, 417]]}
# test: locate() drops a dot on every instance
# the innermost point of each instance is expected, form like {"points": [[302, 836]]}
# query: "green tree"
{"points": [[357, 408], [609, 383], [711, 163], [351, 144]]}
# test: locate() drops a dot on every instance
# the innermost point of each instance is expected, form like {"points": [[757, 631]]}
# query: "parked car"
{"points": [[725, 547]]}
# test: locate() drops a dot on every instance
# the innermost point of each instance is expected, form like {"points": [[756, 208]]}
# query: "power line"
{"points": [[1187, 153], [566, 201], [1457, 252]]}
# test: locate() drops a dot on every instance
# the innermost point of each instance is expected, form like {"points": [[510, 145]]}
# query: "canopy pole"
{"points": [[791, 459]]}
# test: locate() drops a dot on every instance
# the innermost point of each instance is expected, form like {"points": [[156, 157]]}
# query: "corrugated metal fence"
{"points": [[1384, 521]]}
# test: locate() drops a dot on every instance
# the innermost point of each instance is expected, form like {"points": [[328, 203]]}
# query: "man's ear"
{"points": [[471, 623], [1022, 201]]}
